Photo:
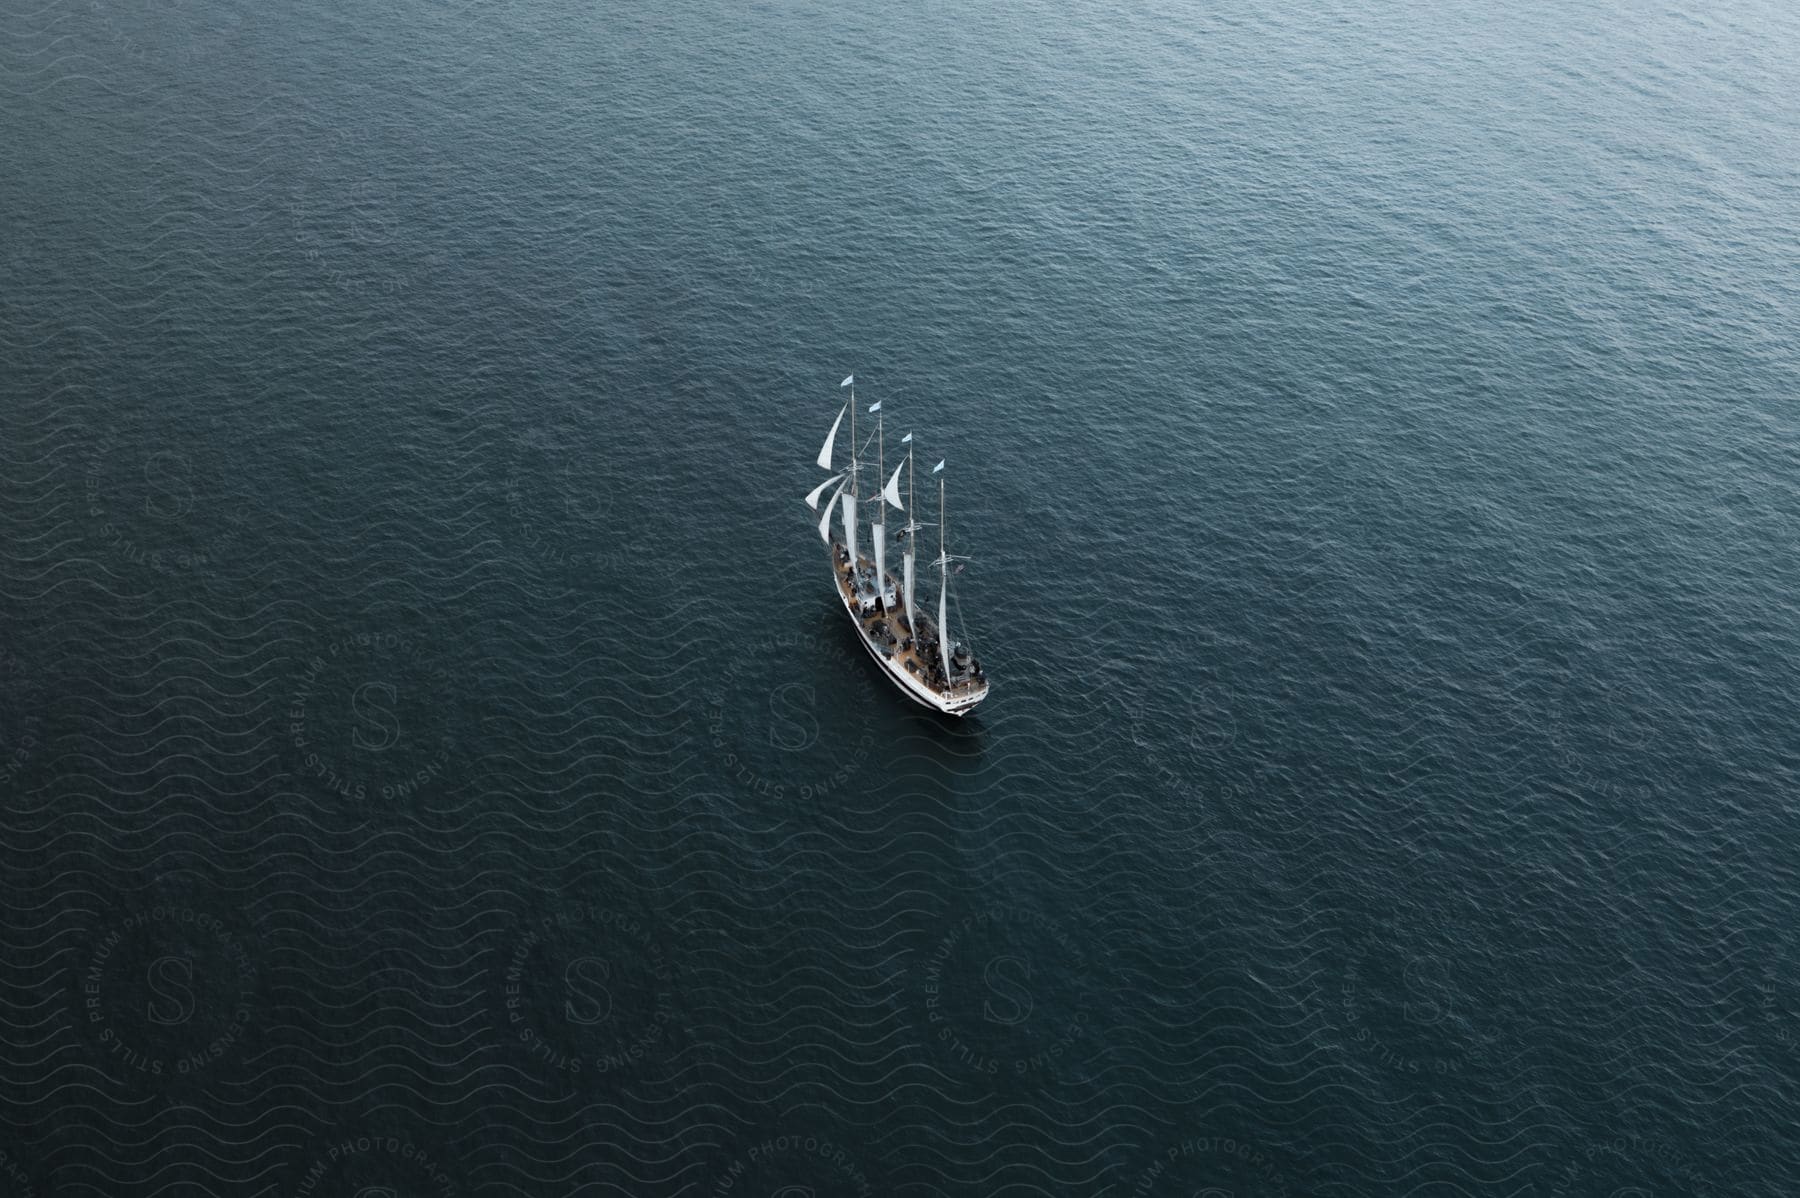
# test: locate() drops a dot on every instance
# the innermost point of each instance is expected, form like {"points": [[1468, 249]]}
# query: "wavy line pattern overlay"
{"points": [[419, 778]]}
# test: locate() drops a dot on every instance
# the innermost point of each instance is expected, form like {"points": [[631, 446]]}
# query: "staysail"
{"points": [[830, 439], [825, 521], [891, 492], [812, 501]]}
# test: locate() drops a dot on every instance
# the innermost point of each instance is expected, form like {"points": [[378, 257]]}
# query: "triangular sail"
{"points": [[825, 521], [891, 492], [812, 501], [830, 439]]}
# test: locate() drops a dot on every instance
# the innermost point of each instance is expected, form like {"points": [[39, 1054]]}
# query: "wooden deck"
{"points": [[922, 668]]}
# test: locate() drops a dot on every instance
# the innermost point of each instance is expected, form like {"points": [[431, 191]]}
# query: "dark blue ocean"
{"points": [[431, 761]]}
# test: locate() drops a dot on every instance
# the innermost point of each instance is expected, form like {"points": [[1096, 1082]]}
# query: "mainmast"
{"points": [[943, 623], [878, 525]]}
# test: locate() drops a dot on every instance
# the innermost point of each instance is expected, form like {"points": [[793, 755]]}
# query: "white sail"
{"points": [[830, 438], [849, 506], [812, 501], [906, 573], [891, 492], [944, 625], [825, 521], [880, 531]]}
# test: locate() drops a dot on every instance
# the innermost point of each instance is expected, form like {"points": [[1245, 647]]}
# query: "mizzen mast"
{"points": [[943, 563]]}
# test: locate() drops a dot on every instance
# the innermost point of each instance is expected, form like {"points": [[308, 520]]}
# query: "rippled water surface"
{"points": [[429, 758]]}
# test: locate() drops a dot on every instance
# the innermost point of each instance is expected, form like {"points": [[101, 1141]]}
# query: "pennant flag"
{"points": [[937, 467], [847, 382], [876, 406], [906, 440]]}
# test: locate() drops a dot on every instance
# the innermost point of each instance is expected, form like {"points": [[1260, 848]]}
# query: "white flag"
{"points": [[937, 467], [906, 439], [876, 406], [847, 382]]}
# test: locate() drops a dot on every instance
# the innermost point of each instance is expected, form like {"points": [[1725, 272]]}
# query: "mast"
{"points": [[878, 525], [943, 590], [850, 491], [912, 527]]}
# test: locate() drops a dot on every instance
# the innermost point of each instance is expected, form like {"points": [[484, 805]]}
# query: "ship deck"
{"points": [[902, 652]]}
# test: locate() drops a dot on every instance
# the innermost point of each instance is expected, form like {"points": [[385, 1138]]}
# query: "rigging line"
{"points": [[963, 635]]}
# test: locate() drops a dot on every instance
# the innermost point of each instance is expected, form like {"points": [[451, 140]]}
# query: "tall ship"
{"points": [[916, 651]]}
